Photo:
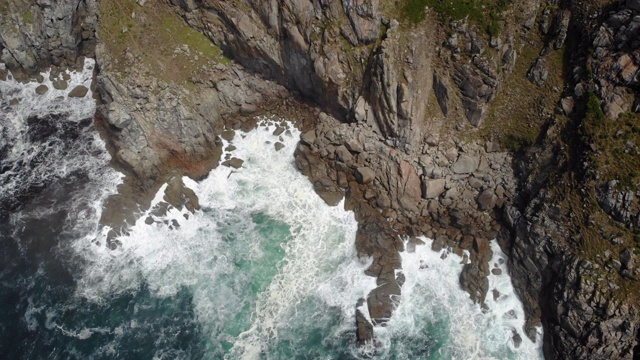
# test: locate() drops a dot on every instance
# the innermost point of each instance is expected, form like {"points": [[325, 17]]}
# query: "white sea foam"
{"points": [[29, 162], [263, 291], [437, 318], [213, 252]]}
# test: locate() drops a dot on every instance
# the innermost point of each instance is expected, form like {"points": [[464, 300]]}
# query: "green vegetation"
{"points": [[21, 7], [616, 143], [594, 113], [514, 119], [27, 16], [518, 142], [157, 37], [483, 12]]}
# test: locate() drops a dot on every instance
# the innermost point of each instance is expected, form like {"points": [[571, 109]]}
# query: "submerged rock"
{"points": [[42, 89], [364, 328], [78, 92], [234, 163]]}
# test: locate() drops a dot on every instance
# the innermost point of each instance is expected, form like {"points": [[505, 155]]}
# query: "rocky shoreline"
{"points": [[388, 112]]}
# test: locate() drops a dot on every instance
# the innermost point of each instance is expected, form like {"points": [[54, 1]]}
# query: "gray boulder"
{"points": [[465, 165], [234, 163], [60, 84], [78, 92], [344, 155], [433, 188], [487, 200], [42, 89]]}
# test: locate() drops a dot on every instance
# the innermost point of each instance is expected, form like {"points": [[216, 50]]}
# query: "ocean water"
{"points": [[264, 270]]}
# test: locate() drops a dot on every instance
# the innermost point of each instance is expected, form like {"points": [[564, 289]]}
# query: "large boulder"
{"points": [[42, 89], [487, 199], [78, 92], [433, 188], [465, 165], [234, 163], [365, 175]]}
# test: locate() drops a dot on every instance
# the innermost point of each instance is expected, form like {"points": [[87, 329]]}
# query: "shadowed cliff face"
{"points": [[409, 122], [37, 34]]}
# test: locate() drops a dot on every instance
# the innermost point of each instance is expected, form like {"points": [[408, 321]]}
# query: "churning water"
{"points": [[264, 270]]}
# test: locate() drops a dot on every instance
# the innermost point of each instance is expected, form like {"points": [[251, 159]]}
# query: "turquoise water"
{"points": [[265, 270]]}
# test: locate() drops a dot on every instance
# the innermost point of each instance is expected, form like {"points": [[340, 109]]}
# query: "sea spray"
{"points": [[273, 273], [264, 269], [54, 177], [263, 248], [436, 319]]}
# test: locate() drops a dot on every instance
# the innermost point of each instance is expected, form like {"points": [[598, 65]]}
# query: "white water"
{"points": [[436, 311], [315, 279], [29, 162], [271, 270]]}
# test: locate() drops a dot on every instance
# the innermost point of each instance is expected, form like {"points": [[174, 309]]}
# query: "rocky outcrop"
{"points": [[621, 205], [37, 34], [372, 138], [616, 61], [300, 44]]}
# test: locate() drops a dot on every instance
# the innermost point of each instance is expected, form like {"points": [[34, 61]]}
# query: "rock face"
{"points": [[616, 59], [371, 136], [36, 35]]}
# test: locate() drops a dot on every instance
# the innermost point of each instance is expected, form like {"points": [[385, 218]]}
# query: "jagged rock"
{"points": [[628, 259], [118, 117], [380, 302], [442, 93], [517, 340], [477, 89], [365, 175], [465, 164], [364, 328], [545, 21], [487, 200], [78, 92], [308, 137], [433, 188], [354, 146], [278, 146], [411, 188], [344, 154], [560, 28], [538, 73]]}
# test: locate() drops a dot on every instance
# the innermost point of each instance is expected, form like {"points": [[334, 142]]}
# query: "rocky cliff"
{"points": [[461, 125]]}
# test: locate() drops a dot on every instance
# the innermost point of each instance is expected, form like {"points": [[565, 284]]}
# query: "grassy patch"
{"points": [[514, 119], [594, 116], [593, 231], [156, 36], [616, 143], [21, 7], [482, 12]]}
